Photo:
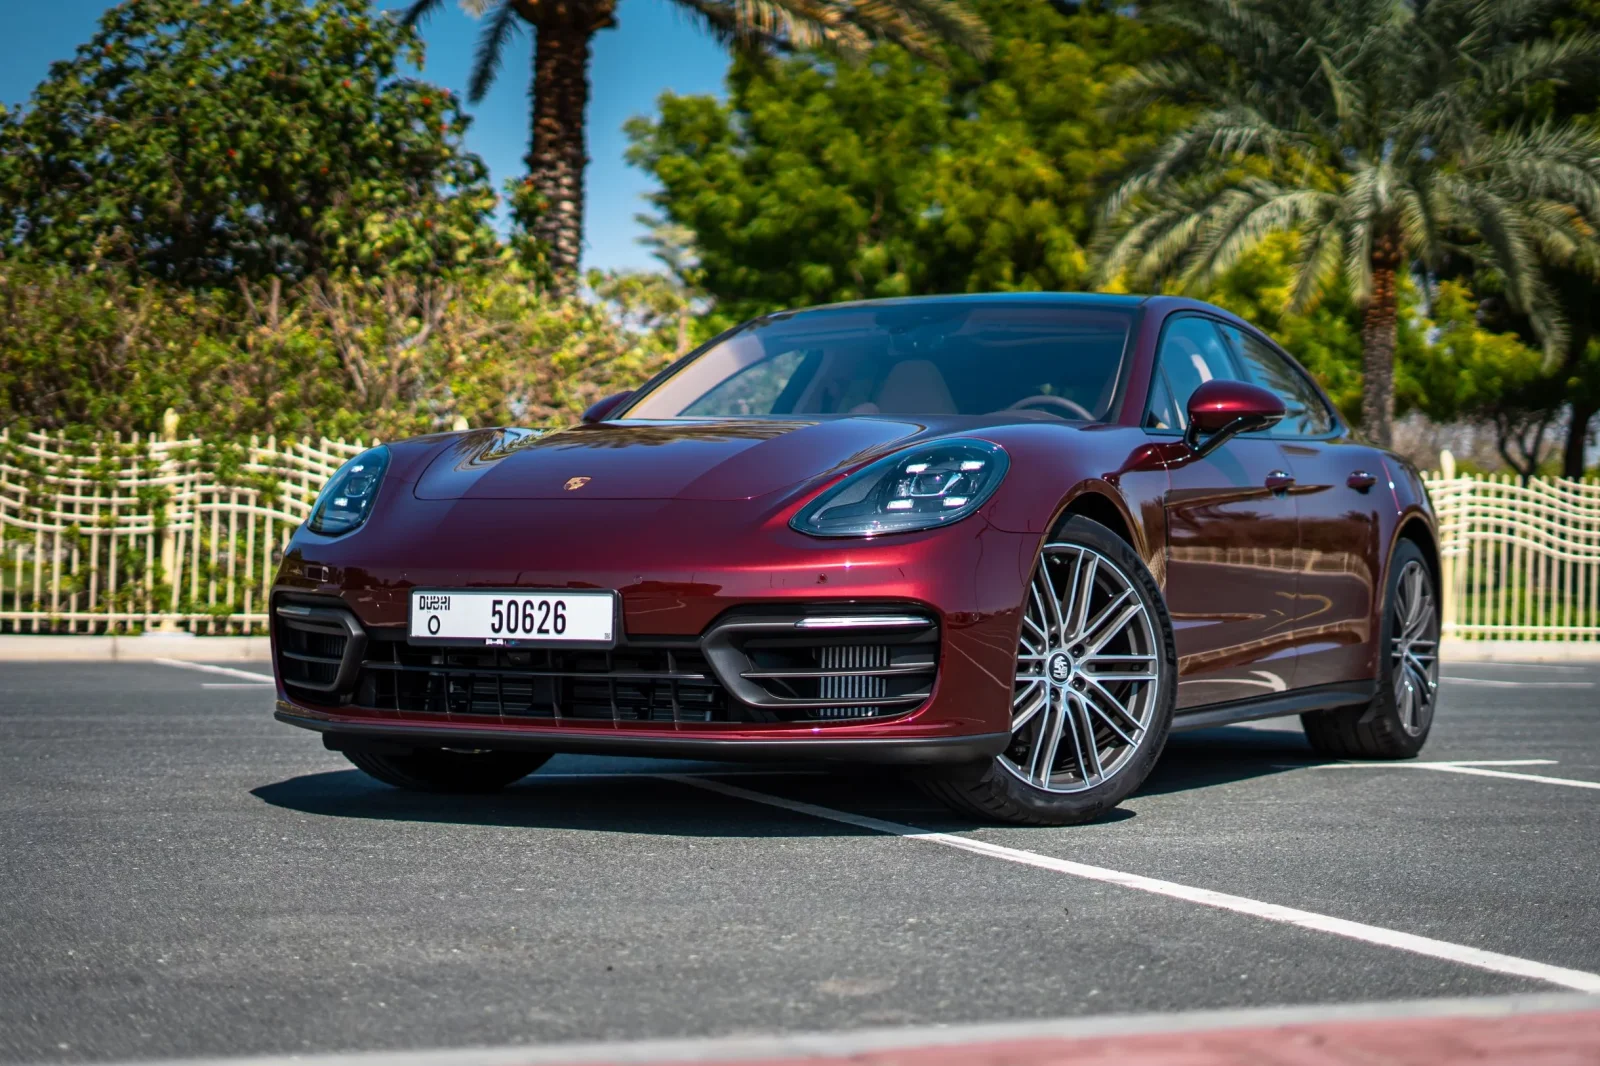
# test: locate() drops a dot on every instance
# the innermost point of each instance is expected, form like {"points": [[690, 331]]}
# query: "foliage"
{"points": [[563, 34], [1449, 366], [818, 182], [203, 141], [390, 357], [1364, 127], [1468, 372]]}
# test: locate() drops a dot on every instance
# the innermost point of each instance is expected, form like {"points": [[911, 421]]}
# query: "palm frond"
{"points": [[1502, 227], [849, 29], [1246, 217], [1527, 63], [503, 25], [419, 11], [1321, 255], [931, 22], [1218, 137]]}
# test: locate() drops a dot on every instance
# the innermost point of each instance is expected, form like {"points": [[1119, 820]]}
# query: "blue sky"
{"points": [[654, 48]]}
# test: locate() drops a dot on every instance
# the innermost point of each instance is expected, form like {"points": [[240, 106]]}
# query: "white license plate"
{"points": [[514, 618]]}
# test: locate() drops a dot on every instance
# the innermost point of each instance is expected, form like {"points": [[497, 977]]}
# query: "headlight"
{"points": [[347, 499], [918, 488]]}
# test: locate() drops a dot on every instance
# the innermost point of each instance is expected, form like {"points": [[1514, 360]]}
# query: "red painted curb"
{"points": [[1570, 1039]]}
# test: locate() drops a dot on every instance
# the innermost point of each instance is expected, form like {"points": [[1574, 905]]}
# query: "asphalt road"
{"points": [[181, 876]]}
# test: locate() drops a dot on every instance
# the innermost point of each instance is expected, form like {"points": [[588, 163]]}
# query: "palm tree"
{"points": [[563, 29], [1368, 128]]}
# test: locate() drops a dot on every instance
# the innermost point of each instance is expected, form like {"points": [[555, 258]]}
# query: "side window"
{"points": [[1160, 412], [1191, 354], [1308, 416]]}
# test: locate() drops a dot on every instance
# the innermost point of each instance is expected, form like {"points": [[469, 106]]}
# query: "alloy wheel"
{"points": [[1087, 673], [1414, 648]]}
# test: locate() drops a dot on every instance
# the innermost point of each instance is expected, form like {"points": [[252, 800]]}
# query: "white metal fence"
{"points": [[1519, 562], [129, 535]]}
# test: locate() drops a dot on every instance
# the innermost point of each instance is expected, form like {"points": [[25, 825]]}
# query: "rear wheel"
{"points": [[1395, 724], [443, 770], [1093, 693]]}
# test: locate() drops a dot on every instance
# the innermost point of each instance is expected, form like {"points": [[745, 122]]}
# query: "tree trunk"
{"points": [[1583, 413], [1378, 328], [557, 157], [1585, 397]]}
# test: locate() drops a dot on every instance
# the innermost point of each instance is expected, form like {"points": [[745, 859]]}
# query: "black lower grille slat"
{"points": [[628, 684]]}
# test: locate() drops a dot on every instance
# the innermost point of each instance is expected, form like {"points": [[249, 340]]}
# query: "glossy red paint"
{"points": [[602, 407], [1269, 558], [1216, 405]]}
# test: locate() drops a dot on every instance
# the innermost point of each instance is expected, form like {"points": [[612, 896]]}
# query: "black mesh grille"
{"points": [[658, 684]]}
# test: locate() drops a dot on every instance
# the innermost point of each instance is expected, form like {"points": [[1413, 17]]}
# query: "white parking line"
{"points": [[1486, 682], [1546, 668], [1475, 768], [234, 684], [225, 671], [1581, 980]]}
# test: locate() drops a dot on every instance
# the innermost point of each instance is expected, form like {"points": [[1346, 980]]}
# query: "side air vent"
{"points": [[319, 648], [826, 665]]}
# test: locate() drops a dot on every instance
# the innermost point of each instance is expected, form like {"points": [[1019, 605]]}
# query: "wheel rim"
{"points": [[1414, 648], [1087, 673]]}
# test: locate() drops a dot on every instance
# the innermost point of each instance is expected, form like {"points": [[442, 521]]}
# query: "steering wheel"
{"points": [[1046, 400]]}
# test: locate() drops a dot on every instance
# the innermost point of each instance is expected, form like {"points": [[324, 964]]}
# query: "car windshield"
{"points": [[933, 358]]}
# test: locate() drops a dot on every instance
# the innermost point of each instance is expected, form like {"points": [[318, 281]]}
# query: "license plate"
{"points": [[514, 618]]}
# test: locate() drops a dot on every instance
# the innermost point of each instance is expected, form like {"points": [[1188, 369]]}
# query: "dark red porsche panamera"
{"points": [[1010, 541]]}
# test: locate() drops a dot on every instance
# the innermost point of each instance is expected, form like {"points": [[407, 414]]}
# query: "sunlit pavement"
{"points": [[184, 877]]}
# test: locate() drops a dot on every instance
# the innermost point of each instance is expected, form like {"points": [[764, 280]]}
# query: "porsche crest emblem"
{"points": [[576, 483]]}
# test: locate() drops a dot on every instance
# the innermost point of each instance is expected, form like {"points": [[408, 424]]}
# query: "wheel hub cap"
{"points": [[1061, 669]]}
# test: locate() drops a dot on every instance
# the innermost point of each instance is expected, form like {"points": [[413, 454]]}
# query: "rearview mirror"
{"points": [[598, 411], [1219, 410]]}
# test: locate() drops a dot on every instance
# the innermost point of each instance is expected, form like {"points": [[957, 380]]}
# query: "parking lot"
{"points": [[182, 876]]}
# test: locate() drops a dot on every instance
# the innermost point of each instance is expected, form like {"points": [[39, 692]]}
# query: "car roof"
{"points": [[1104, 300]]}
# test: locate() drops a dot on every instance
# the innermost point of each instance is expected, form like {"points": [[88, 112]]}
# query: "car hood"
{"points": [[722, 459]]}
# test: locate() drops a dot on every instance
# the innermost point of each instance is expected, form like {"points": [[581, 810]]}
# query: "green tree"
{"points": [[346, 356], [818, 182], [1364, 126], [203, 140], [560, 91]]}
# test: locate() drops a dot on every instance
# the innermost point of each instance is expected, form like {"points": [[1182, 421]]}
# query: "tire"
{"points": [[1395, 724], [1061, 689], [439, 770]]}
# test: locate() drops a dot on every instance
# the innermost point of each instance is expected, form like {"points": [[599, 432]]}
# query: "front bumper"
{"points": [[395, 737], [687, 571]]}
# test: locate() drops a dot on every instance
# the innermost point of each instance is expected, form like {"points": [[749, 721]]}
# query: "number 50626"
{"points": [[528, 617]]}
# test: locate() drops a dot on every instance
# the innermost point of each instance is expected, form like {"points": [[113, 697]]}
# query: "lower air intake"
{"points": [[826, 664]]}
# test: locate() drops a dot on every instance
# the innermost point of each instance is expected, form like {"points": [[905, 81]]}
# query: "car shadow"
{"points": [[633, 796], [1206, 758]]}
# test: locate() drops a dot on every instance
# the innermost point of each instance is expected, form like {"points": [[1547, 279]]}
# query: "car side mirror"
{"points": [[1220, 410], [598, 411]]}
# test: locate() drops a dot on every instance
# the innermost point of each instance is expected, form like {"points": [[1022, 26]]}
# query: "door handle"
{"points": [[1279, 481], [1361, 481]]}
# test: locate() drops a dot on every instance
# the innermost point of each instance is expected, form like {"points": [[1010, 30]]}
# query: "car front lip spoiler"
{"points": [[400, 735]]}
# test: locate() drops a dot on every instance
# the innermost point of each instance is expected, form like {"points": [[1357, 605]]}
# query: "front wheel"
{"points": [[1395, 724], [1093, 693], [444, 770]]}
